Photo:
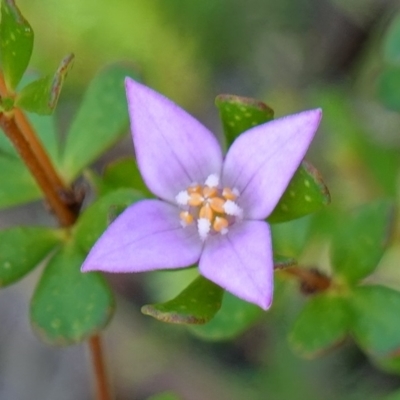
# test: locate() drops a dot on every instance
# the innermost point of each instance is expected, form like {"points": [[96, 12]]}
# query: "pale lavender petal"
{"points": [[146, 236], [261, 161], [241, 262], [172, 148]]}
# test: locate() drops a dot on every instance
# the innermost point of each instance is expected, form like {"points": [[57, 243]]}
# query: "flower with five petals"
{"points": [[210, 209]]}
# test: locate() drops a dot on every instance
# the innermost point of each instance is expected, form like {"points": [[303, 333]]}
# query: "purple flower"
{"points": [[210, 209]]}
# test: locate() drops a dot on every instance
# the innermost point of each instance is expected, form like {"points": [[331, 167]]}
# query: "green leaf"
{"points": [[305, 194], [69, 306], [197, 304], [16, 43], [22, 249], [17, 185], [389, 88], [101, 121], [95, 219], [323, 322], [41, 96], [391, 43], [124, 173], [234, 318], [241, 113], [290, 238], [375, 323], [165, 396], [360, 240]]}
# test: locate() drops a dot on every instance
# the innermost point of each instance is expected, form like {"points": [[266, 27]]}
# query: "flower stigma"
{"points": [[212, 208]]}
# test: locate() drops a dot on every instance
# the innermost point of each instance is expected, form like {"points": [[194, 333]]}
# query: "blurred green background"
{"points": [[341, 55]]}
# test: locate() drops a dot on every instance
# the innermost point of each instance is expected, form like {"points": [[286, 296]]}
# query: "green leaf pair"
{"points": [[16, 44], [367, 312], [67, 306]]}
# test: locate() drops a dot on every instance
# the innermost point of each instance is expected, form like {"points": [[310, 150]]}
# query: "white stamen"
{"points": [[182, 198], [224, 231], [231, 208], [203, 226], [212, 181]]}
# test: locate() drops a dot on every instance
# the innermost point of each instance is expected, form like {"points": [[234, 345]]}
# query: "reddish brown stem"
{"points": [[20, 132], [37, 148], [311, 280], [65, 215], [100, 370], [3, 87]]}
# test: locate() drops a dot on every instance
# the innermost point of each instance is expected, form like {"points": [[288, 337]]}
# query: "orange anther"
{"points": [[209, 191], [186, 217], [228, 194], [206, 212], [217, 204], [195, 199], [194, 189], [220, 224]]}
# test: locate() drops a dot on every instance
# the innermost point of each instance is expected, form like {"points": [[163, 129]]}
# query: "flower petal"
{"points": [[241, 262], [261, 162], [173, 149], [146, 236]]}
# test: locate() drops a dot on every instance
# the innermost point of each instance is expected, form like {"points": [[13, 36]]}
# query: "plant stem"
{"points": [[100, 370], [3, 87], [64, 214], [60, 198], [311, 280], [37, 148]]}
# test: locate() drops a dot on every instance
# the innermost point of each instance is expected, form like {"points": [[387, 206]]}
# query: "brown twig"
{"points": [[311, 280], [64, 214], [3, 87], [100, 370], [37, 148], [20, 132]]}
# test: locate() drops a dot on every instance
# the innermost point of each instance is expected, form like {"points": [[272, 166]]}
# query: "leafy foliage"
{"points": [[41, 96], [16, 43], [361, 240], [375, 323], [241, 113], [309, 337], [100, 122], [22, 249], [235, 317], [68, 306], [197, 304]]}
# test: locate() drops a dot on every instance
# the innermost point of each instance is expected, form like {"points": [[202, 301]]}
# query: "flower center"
{"points": [[212, 208]]}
